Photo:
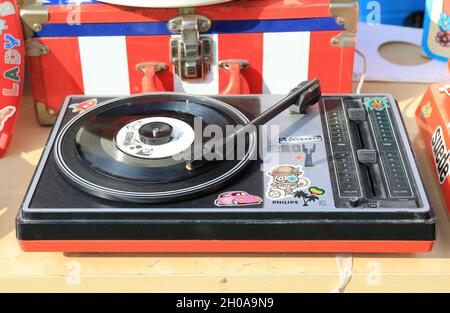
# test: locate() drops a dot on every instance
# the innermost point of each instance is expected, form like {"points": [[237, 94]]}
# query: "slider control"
{"points": [[357, 114], [367, 156]]}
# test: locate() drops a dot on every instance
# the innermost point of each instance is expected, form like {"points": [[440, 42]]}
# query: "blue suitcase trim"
{"points": [[218, 27]]}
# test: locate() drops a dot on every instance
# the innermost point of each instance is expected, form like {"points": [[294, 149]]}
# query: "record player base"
{"points": [[228, 246]]}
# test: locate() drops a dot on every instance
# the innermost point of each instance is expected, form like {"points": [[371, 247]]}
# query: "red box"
{"points": [[433, 119], [102, 49]]}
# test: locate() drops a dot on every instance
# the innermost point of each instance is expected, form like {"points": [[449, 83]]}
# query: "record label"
{"points": [[131, 140]]}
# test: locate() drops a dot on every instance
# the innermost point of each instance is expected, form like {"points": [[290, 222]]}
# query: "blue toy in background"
{"points": [[398, 12], [436, 29]]}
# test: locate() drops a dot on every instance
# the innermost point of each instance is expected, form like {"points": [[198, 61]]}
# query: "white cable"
{"points": [[345, 266], [364, 71]]}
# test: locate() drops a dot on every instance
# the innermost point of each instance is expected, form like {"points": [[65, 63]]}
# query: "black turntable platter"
{"points": [[134, 148]]}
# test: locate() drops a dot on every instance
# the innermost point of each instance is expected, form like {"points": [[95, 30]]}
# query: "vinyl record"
{"points": [[130, 149]]}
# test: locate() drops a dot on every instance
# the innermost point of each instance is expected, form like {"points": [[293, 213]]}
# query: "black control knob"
{"points": [[354, 202], [155, 133]]}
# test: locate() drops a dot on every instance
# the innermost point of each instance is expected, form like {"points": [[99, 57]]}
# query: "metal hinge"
{"points": [[191, 53], [45, 116], [33, 15], [346, 13], [344, 40], [35, 48]]}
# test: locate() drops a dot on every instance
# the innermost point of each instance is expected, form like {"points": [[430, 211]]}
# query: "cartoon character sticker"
{"points": [[313, 195], [378, 103], [237, 198], [6, 113], [285, 181], [83, 106]]}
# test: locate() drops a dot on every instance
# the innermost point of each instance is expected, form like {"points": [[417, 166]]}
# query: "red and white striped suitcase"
{"points": [[103, 49], [247, 46]]}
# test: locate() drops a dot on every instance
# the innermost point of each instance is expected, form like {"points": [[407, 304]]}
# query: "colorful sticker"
{"points": [[443, 35], [285, 181], [445, 89], [377, 103], [443, 38], [6, 9], [83, 106], [3, 26], [10, 41], [312, 196], [317, 191], [13, 74], [13, 92], [12, 56], [426, 110], [444, 22], [441, 154], [237, 198], [5, 114]]}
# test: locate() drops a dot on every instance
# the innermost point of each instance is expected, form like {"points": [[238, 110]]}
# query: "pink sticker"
{"points": [[237, 198], [12, 56], [13, 92]]}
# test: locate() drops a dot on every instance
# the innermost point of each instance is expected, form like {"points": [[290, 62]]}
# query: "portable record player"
{"points": [[144, 174]]}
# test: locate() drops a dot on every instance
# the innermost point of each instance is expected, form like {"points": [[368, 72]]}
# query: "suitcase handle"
{"points": [[237, 84], [150, 82], [12, 69]]}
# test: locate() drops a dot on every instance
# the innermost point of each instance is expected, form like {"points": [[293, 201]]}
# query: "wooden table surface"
{"points": [[213, 272]]}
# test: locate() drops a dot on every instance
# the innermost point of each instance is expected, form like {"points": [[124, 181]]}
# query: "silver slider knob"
{"points": [[357, 114], [367, 156]]}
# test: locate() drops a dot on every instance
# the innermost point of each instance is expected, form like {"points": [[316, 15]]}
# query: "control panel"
{"points": [[366, 154]]}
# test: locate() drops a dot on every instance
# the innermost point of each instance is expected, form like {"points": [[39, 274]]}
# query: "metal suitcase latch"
{"points": [[346, 13], [191, 54]]}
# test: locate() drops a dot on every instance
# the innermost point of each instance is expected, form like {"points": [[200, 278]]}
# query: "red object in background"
{"points": [[237, 83], [284, 43], [12, 69], [250, 50], [184, 246], [433, 119]]}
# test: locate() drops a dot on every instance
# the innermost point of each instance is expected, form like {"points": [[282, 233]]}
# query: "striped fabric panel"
{"points": [[104, 64], [279, 61]]}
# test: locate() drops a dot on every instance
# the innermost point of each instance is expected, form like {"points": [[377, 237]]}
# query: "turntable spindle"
{"points": [[155, 133]]}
